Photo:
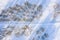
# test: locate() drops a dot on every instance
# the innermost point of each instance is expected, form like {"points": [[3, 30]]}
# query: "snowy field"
{"points": [[29, 20]]}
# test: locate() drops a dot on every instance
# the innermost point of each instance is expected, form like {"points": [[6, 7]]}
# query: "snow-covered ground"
{"points": [[27, 30]]}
